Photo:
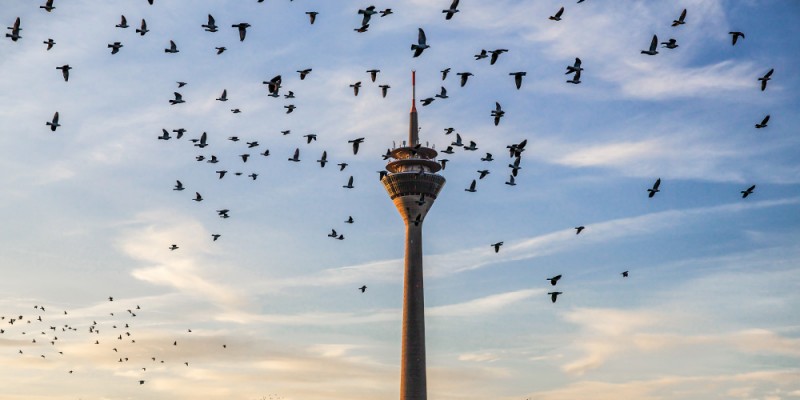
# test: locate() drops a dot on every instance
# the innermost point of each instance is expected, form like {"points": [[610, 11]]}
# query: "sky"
{"points": [[271, 309]]}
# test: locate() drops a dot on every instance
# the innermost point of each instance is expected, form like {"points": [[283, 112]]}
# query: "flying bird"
{"points": [[115, 47], [178, 186], [349, 183], [386, 12], [554, 296], [421, 45], [355, 87], [488, 157], [290, 108], [242, 26], [355, 143], [197, 197], [220, 50], [495, 55], [515, 166], [670, 44], [452, 10], [367, 13], [384, 89], [54, 123], [735, 36], [576, 67], [518, 78], [224, 96], [296, 156], [681, 19], [123, 22], [303, 73], [579, 229], [511, 181], [483, 54], [464, 76], [48, 6], [444, 73], [312, 16], [178, 99], [202, 141], [766, 78], [211, 25], [14, 35], [363, 288], [653, 45], [497, 246], [427, 101], [373, 73], [624, 274], [65, 71], [483, 173], [497, 113], [471, 187], [49, 43], [557, 16], [349, 220], [554, 280], [142, 30], [172, 48], [164, 135], [763, 123], [442, 93], [748, 191], [654, 189]]}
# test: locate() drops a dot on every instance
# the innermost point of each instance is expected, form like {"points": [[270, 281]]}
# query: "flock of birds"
{"points": [[119, 332]]}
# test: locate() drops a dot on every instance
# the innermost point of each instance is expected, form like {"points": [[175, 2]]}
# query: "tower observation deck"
{"points": [[413, 185]]}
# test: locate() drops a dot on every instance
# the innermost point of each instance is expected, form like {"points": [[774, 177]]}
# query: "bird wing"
{"points": [[560, 11], [55, 118], [421, 37], [657, 184], [654, 43]]}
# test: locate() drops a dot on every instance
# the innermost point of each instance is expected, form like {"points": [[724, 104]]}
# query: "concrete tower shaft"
{"points": [[413, 185]]}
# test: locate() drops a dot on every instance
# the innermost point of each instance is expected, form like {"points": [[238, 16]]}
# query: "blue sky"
{"points": [[709, 309]]}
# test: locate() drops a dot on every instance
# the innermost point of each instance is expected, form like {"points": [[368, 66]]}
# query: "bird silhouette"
{"points": [[304, 72], [373, 73], [497, 246], [511, 181], [497, 113], [518, 78], [576, 67], [735, 37], [448, 13], [242, 27], [142, 30], [421, 45], [65, 71], [355, 87], [670, 44], [54, 123], [178, 99], [296, 156], [624, 274], [123, 22], [471, 187], [312, 16], [349, 183], [356, 143], [223, 96], [488, 157], [115, 47], [14, 35], [654, 189], [178, 186], [483, 173], [48, 6], [576, 79], [681, 19], [748, 191], [764, 79], [384, 89], [363, 288], [173, 48], [653, 45], [323, 159], [197, 197], [210, 26], [554, 296], [579, 229], [464, 77], [495, 55], [49, 43], [554, 280], [763, 123], [557, 16]]}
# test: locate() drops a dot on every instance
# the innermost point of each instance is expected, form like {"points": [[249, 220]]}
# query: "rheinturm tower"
{"points": [[413, 184]]}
